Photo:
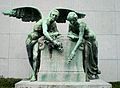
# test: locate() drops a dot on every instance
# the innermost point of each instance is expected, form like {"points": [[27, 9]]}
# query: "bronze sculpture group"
{"points": [[45, 32]]}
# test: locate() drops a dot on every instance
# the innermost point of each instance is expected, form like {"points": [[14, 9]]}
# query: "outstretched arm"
{"points": [[47, 35], [45, 32], [81, 33]]}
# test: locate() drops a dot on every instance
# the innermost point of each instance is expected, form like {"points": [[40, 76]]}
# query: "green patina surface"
{"points": [[82, 51]]}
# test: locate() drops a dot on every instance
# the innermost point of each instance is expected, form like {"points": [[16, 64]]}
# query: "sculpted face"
{"points": [[73, 21], [54, 15]]}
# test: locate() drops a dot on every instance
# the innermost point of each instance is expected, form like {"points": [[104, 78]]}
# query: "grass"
{"points": [[115, 84], [10, 83]]}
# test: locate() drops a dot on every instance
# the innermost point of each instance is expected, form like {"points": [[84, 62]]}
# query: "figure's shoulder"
{"points": [[39, 22], [82, 23]]}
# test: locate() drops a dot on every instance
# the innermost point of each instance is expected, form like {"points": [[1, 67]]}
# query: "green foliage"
{"points": [[8, 82], [115, 84]]}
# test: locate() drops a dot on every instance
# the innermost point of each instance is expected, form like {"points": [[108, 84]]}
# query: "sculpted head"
{"points": [[54, 14], [72, 17]]}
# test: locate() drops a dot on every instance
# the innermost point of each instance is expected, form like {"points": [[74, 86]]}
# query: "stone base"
{"points": [[57, 69], [92, 84], [61, 76]]}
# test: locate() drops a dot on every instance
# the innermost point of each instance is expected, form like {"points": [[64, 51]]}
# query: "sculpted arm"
{"points": [[55, 31], [45, 32], [81, 33]]}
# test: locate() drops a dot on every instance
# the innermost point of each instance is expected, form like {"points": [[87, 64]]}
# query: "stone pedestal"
{"points": [[56, 73], [92, 84], [56, 69]]}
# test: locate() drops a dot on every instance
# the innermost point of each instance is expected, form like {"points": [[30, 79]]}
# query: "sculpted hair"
{"points": [[71, 16]]}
